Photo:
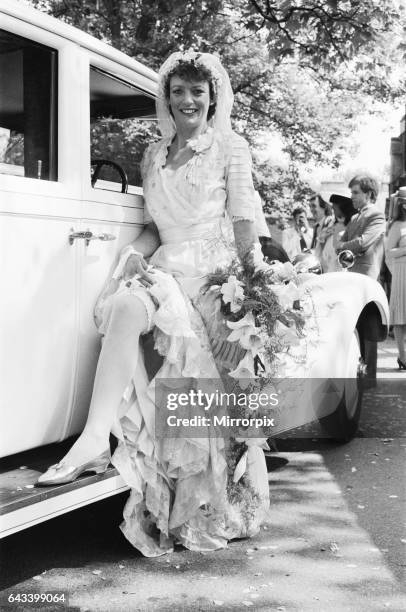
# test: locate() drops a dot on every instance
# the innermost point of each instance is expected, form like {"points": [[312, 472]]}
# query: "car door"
{"points": [[40, 195], [118, 107]]}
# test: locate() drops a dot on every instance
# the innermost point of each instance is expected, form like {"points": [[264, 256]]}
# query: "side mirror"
{"points": [[346, 259]]}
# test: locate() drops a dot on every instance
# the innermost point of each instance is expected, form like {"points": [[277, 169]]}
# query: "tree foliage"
{"points": [[304, 68]]}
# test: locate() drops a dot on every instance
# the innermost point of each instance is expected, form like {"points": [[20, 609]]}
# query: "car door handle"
{"points": [[87, 236]]}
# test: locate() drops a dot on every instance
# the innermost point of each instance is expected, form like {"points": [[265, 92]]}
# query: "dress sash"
{"points": [[198, 231]]}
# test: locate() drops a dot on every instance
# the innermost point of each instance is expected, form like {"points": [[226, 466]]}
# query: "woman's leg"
{"points": [[116, 365], [399, 333]]}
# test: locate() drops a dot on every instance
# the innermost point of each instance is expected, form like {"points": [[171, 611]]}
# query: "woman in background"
{"points": [[343, 211], [395, 252], [322, 212]]}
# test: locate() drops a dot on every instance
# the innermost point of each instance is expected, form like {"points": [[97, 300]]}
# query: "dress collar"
{"points": [[203, 141], [198, 145]]}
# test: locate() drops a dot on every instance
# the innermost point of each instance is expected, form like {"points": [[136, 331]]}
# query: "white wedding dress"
{"points": [[185, 489]]}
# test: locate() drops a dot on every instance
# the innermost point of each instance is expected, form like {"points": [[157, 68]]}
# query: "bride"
{"points": [[199, 215]]}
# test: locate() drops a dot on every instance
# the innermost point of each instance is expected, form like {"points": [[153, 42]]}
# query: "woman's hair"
{"points": [[347, 210], [192, 72], [328, 209], [298, 211], [367, 184]]}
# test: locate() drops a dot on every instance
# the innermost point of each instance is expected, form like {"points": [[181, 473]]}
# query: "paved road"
{"points": [[335, 540]]}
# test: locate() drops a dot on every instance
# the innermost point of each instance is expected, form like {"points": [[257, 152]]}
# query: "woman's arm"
{"points": [[148, 241], [241, 196], [392, 240], [396, 252], [245, 236]]}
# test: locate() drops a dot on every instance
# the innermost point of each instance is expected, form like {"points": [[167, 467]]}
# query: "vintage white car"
{"points": [[64, 221]]}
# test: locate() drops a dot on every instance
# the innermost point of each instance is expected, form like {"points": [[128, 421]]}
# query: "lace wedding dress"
{"points": [[188, 490]]}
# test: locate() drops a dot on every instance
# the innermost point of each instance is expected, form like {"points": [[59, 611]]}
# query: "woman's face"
{"points": [[316, 210], [189, 102]]}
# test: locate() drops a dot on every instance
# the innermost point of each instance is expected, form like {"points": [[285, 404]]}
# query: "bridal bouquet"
{"points": [[265, 310]]}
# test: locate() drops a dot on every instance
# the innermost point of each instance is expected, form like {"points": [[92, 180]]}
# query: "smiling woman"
{"points": [[204, 490]]}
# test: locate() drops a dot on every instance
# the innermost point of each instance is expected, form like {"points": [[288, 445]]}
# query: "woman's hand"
{"points": [[137, 266], [325, 233]]}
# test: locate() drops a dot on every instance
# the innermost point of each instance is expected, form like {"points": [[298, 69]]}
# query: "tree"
{"points": [[304, 68]]}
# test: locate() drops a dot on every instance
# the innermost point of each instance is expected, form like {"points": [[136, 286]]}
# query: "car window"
{"points": [[122, 120], [28, 108]]}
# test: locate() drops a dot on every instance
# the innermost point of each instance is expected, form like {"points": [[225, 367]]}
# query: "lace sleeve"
{"points": [[241, 196]]}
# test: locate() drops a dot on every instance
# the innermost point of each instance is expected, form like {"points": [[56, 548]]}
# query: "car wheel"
{"points": [[342, 424]]}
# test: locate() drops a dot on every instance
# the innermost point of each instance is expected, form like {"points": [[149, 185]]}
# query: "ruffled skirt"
{"points": [[183, 490]]}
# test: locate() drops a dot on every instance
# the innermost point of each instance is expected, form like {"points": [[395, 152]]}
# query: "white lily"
{"points": [[246, 332], [286, 295], [244, 371], [233, 293]]}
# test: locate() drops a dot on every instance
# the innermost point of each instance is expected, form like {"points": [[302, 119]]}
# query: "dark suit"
{"points": [[364, 236]]}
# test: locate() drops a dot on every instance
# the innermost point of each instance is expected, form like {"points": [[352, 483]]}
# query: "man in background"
{"points": [[297, 238], [364, 236]]}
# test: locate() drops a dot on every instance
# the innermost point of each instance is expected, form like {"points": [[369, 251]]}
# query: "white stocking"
{"points": [[116, 365]]}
